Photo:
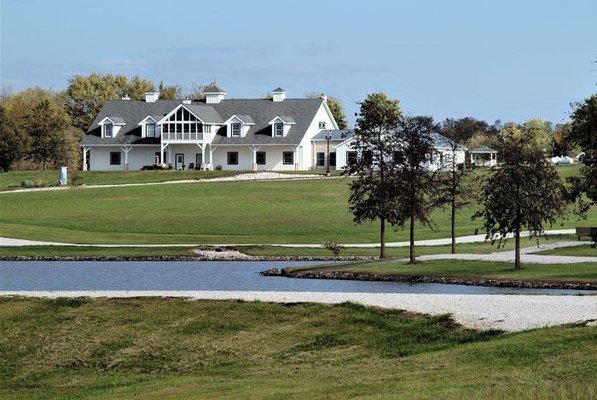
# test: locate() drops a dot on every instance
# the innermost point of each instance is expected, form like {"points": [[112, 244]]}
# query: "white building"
{"points": [[221, 133], [238, 134]]}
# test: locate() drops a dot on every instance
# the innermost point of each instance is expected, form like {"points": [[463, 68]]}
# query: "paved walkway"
{"points": [[507, 312], [5, 241], [253, 176]]}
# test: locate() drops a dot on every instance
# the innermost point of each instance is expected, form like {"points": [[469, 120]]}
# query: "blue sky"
{"points": [[511, 60]]}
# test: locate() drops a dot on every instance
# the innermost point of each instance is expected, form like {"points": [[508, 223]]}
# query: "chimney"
{"points": [[214, 94], [278, 94], [151, 97]]}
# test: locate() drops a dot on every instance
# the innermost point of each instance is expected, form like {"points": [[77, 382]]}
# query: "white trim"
{"points": [[118, 145], [102, 122], [161, 121], [327, 109], [143, 121], [281, 119], [240, 119]]}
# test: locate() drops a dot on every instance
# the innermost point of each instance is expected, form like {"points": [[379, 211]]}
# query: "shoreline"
{"points": [[182, 258], [337, 275]]}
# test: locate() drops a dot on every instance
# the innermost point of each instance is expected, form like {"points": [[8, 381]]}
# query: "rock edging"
{"points": [[341, 275]]}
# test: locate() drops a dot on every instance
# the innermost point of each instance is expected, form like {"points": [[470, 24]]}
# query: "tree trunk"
{"points": [[517, 264], [382, 239], [412, 239]]}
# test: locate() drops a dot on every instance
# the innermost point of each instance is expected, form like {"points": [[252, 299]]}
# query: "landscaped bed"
{"points": [[177, 349]]}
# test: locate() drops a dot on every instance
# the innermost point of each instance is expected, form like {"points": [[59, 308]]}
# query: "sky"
{"points": [[508, 60]]}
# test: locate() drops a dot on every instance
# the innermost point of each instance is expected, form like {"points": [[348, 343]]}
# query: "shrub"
{"points": [[334, 247]]}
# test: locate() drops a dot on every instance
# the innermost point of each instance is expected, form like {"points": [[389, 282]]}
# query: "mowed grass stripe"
{"points": [[227, 212]]}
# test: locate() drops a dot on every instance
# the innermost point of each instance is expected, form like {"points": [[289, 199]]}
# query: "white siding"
{"points": [[273, 158], [138, 157], [188, 150], [320, 116]]}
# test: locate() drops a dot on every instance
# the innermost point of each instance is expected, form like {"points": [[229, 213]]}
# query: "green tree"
{"points": [[538, 133], [523, 192], [86, 95], [10, 143], [371, 192], [171, 92], [46, 124], [337, 111], [465, 128], [416, 186]]}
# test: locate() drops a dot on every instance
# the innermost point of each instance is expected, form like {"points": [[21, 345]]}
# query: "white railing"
{"points": [[182, 136]]}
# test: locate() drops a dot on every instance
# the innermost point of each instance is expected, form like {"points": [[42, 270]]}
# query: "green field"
{"points": [[585, 250], [313, 211], [13, 179], [474, 270], [177, 349]]}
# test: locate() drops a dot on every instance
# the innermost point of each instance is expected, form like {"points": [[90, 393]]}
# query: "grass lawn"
{"points": [[584, 250], [311, 211], [50, 178], [176, 349], [398, 252], [581, 272], [72, 251]]}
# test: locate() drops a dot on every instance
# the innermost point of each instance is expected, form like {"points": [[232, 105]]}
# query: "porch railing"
{"points": [[182, 136]]}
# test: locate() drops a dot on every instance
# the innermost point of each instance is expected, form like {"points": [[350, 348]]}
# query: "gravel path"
{"points": [[5, 241], [253, 176], [506, 312], [526, 256]]}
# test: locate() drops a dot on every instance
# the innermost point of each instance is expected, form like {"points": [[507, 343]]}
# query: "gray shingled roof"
{"points": [[213, 88], [336, 134], [442, 141], [483, 149], [278, 89], [260, 111]]}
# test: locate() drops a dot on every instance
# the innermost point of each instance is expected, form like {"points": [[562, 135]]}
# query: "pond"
{"points": [[208, 275]]}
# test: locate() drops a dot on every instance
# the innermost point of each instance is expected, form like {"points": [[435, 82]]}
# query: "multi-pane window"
{"points": [[182, 122], [236, 130], [278, 129], [288, 157], [150, 128], [232, 157], [333, 159], [108, 128], [260, 158], [115, 158], [351, 157], [320, 162]]}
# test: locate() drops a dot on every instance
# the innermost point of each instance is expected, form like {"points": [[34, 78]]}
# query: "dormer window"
{"points": [[150, 127], [278, 129], [108, 128], [236, 129]]}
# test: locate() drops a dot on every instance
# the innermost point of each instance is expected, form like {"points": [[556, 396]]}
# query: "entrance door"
{"points": [[178, 161], [198, 160]]}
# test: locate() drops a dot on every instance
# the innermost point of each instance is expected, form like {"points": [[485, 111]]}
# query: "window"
{"points": [[235, 130], [108, 128], [206, 128], [157, 157], [278, 129], [260, 158], [332, 159], [320, 162], [321, 125], [232, 157], [288, 157], [115, 158], [351, 157], [150, 128]]}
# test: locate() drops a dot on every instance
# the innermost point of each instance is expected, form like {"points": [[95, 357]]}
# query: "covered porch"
{"points": [[186, 156], [483, 156]]}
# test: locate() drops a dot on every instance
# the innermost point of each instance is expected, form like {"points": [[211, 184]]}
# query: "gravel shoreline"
{"points": [[505, 312], [338, 275], [198, 257]]}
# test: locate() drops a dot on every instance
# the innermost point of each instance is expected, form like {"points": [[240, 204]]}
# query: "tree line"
{"points": [[42, 128], [395, 185]]}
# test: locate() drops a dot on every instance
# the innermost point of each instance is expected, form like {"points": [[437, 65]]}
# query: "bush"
{"points": [[334, 247], [27, 183]]}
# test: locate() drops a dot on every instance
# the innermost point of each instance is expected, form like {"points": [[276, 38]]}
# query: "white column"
{"points": [[85, 158], [161, 153], [211, 157], [126, 150]]}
